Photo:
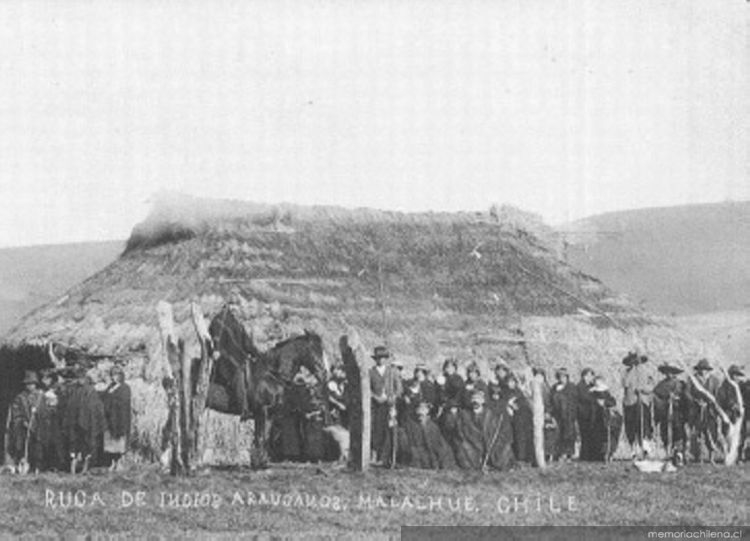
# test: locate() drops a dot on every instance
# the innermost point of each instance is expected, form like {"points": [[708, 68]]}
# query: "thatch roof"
{"points": [[381, 271]]}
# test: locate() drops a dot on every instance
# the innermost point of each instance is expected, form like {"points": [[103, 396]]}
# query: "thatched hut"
{"points": [[471, 285]]}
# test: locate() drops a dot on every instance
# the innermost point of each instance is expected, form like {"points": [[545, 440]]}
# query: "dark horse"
{"points": [[251, 383]]}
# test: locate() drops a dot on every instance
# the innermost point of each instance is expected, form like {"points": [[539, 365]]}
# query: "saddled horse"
{"points": [[251, 383]]}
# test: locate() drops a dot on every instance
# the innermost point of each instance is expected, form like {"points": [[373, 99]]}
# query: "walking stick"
{"points": [[640, 415], [652, 426], [607, 418], [6, 440], [24, 466], [394, 442], [670, 415], [493, 441]]}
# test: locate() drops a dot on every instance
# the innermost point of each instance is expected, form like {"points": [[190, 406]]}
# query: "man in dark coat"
{"points": [[585, 403], [427, 447], [606, 423], [83, 421], [117, 411], [726, 396], [669, 409], [448, 424], [235, 349], [312, 414], [483, 438], [47, 450], [385, 388], [287, 424], [564, 409], [701, 417], [23, 413]]}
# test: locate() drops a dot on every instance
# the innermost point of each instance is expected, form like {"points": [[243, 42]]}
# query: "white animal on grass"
{"points": [[341, 436]]}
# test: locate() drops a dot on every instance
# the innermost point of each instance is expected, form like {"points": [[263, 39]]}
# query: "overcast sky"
{"points": [[562, 108]]}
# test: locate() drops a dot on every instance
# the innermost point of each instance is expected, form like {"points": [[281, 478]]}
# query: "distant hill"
{"points": [[34, 275], [682, 260]]}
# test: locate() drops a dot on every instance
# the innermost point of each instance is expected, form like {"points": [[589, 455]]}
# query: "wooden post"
{"points": [[358, 381], [173, 354], [185, 399], [537, 410], [201, 386]]}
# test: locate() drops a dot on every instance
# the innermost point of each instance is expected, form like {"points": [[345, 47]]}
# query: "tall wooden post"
{"points": [[537, 411], [201, 386], [358, 381], [173, 356]]}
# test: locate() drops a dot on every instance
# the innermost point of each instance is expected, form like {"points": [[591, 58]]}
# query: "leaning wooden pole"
{"points": [[731, 430], [201, 385]]}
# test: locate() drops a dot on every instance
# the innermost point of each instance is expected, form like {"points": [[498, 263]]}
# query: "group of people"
{"points": [[65, 424], [426, 421], [683, 411], [448, 421]]}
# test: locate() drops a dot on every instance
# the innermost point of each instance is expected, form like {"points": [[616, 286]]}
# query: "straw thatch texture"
{"points": [[428, 285]]}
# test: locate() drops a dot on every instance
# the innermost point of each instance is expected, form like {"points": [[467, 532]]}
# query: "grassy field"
{"points": [[310, 501], [730, 330]]}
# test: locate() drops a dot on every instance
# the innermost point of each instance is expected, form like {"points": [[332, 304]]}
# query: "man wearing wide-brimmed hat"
{"points": [[636, 401], [482, 437], [385, 387], [427, 448], [701, 419], [668, 408], [22, 412], [606, 422]]}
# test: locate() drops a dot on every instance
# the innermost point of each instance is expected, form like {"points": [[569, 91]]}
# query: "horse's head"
{"points": [[316, 362], [303, 350]]}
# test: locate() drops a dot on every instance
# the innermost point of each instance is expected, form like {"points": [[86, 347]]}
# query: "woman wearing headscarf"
{"points": [[116, 399]]}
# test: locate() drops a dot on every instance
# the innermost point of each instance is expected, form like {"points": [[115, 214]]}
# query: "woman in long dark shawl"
{"points": [[523, 423], [116, 400], [565, 410]]}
